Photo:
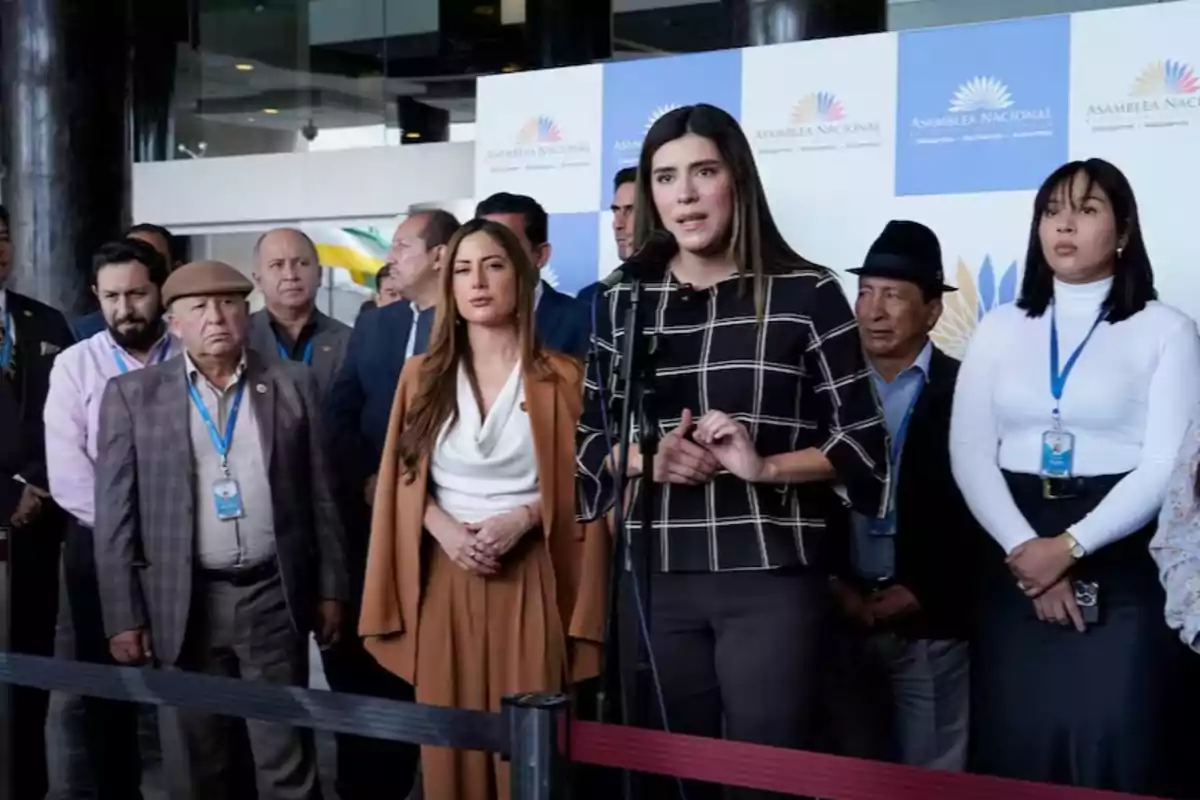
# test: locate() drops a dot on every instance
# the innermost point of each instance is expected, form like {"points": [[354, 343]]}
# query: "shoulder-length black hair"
{"points": [[757, 246], [1133, 278]]}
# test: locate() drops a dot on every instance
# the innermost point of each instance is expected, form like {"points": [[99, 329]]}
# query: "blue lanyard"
{"points": [[7, 350], [158, 358], [286, 356], [221, 443], [1058, 380], [902, 431]]}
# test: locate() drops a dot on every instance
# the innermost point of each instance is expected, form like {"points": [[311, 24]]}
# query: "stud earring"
{"points": [[1120, 252]]}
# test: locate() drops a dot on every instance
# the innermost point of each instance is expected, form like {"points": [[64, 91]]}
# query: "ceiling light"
{"points": [[244, 67], [270, 110]]}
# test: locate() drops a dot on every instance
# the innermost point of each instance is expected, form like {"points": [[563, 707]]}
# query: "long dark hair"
{"points": [[754, 242], [436, 400], [1133, 278]]}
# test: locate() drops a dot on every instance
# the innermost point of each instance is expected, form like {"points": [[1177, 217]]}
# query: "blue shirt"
{"points": [[874, 556]]}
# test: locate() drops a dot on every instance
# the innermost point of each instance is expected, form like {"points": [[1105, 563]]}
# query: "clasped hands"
{"points": [[478, 546], [693, 452], [1040, 566]]}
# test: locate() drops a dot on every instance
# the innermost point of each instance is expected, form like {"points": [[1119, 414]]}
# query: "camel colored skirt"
{"points": [[478, 640]]}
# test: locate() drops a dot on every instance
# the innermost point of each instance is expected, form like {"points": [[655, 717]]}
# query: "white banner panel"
{"points": [[538, 133], [824, 140], [1135, 101]]}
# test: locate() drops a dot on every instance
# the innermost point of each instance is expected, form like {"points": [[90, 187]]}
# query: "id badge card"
{"points": [[1058, 454], [227, 499]]}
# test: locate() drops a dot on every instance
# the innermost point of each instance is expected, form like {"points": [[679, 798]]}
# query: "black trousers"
{"points": [[33, 605], [369, 769], [741, 655], [110, 726]]}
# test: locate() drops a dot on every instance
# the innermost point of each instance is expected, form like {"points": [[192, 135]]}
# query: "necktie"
{"points": [[7, 349]]}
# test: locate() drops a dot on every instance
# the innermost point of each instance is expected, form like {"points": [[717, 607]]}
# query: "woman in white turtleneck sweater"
{"points": [[1068, 413]]}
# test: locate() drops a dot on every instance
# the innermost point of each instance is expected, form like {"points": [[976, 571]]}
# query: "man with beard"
{"points": [[97, 750], [157, 237]]}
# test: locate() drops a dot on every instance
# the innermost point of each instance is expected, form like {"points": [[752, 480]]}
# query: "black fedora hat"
{"points": [[906, 251]]}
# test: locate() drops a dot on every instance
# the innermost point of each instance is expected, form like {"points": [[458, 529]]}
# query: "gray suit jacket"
{"points": [[146, 495], [329, 344]]}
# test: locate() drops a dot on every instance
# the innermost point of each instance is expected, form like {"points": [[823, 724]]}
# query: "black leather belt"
{"points": [[242, 576]]}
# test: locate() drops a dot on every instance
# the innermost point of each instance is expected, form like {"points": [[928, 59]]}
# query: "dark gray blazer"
{"points": [[146, 496], [329, 344]]}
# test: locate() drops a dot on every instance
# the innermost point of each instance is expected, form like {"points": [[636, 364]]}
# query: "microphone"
{"points": [[660, 248]]}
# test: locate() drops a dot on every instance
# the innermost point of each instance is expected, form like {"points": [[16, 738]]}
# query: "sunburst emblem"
{"points": [[659, 112], [981, 94], [1163, 78], [975, 297], [823, 106], [540, 129]]}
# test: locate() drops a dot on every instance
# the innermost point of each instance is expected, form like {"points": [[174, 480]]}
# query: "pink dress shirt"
{"points": [[72, 415]]}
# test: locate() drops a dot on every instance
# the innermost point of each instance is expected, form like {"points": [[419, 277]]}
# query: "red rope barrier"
{"points": [[796, 772]]}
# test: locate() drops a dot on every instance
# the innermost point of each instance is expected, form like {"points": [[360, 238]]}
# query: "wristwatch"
{"points": [[1077, 551]]}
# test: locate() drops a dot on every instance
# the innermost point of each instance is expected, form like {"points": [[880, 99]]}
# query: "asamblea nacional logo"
{"points": [[982, 108], [539, 143], [1164, 94], [979, 291], [818, 121], [629, 150]]}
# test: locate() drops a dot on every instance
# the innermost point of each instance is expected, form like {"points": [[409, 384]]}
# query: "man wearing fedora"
{"points": [[906, 588], [218, 544]]}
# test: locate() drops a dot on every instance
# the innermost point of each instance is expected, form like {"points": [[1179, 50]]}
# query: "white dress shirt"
{"points": [[1127, 402]]}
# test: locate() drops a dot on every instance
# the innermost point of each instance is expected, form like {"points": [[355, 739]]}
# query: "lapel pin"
{"points": [[261, 388], [326, 348], [28, 313]]}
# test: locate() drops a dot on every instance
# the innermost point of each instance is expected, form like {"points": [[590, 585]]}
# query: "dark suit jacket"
{"points": [[329, 337], [88, 325], [146, 496], [936, 536], [563, 323], [41, 334]]}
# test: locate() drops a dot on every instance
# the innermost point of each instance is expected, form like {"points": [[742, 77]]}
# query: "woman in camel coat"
{"points": [[479, 581]]}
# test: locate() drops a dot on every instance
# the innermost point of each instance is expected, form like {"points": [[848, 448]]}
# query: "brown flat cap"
{"points": [[204, 278]]}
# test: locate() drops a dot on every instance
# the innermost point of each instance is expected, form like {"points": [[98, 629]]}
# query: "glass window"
{"points": [[905, 14]]}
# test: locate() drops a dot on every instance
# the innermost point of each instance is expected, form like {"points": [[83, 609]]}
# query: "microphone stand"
{"points": [[626, 673]]}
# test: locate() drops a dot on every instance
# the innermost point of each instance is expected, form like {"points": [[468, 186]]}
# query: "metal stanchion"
{"points": [[6, 721], [534, 722]]}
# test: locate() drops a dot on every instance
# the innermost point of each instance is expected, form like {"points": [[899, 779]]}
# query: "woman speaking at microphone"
{"points": [[763, 393], [1069, 410]]}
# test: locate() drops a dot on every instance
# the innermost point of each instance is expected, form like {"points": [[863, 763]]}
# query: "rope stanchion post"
{"points": [[535, 761], [6, 721]]}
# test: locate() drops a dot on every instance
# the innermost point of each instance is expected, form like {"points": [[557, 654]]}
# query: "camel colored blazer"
{"points": [[579, 552]]}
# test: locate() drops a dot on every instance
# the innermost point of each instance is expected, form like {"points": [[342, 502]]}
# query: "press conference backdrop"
{"points": [[955, 127]]}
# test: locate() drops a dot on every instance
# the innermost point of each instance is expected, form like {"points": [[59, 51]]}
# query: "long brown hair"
{"points": [[754, 242], [436, 400]]}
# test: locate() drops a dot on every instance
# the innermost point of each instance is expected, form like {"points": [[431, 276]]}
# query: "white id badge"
{"points": [[227, 499], [1058, 454]]}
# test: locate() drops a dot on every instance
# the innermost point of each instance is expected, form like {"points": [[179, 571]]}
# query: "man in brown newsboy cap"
{"points": [[205, 278], [211, 468]]}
